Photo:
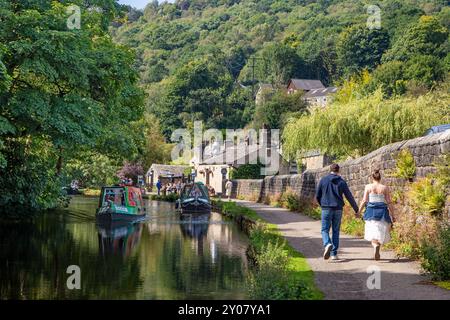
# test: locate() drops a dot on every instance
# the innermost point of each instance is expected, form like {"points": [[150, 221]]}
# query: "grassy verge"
{"points": [[443, 284], [278, 270]]}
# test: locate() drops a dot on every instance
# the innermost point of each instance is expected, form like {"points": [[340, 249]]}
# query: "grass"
{"points": [[91, 192], [443, 284], [280, 271]]}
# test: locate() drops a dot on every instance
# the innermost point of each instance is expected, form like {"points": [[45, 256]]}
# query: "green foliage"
{"points": [[62, 91], [424, 70], [271, 280], [152, 146], [271, 41], [246, 171], [290, 201], [427, 197], [279, 272], [274, 111], [405, 166], [390, 77], [277, 64], [436, 255], [425, 37], [92, 170], [365, 124], [361, 48], [353, 226]]}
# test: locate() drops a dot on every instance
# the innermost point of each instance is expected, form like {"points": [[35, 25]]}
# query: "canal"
{"points": [[164, 257]]}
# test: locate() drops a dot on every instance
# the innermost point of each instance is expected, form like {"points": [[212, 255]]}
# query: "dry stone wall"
{"points": [[356, 172]]}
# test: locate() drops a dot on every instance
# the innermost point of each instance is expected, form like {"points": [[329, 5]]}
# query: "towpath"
{"points": [[347, 278]]}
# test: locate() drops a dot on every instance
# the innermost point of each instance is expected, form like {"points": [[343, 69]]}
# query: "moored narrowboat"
{"points": [[194, 198]]}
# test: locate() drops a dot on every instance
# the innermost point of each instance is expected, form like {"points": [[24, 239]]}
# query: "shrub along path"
{"points": [[347, 278]]}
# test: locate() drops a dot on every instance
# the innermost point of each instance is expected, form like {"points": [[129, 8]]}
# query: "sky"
{"points": [[139, 4]]}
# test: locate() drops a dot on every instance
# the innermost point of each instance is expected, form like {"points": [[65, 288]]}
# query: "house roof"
{"points": [[163, 169], [306, 84], [320, 92]]}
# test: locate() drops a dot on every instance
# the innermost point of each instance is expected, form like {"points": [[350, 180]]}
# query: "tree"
{"points": [[390, 76], [361, 125], [360, 48], [277, 64], [425, 70], [69, 90], [274, 111], [154, 148], [424, 37]]}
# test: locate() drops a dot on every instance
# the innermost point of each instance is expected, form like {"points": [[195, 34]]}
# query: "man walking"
{"points": [[329, 195]]}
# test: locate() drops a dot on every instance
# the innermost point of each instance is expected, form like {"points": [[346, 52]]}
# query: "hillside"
{"points": [[192, 54]]}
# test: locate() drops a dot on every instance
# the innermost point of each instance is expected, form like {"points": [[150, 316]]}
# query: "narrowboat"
{"points": [[120, 204], [194, 198]]}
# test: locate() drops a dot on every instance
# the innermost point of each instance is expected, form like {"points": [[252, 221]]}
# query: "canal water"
{"points": [[164, 257]]}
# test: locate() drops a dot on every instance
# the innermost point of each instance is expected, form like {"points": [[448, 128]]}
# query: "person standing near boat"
{"points": [[379, 213], [330, 196], [158, 186], [228, 188]]}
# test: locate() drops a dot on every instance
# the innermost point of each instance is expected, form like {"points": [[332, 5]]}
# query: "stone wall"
{"points": [[356, 172]]}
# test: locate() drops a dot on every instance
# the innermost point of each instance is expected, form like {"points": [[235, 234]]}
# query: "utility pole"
{"points": [[254, 59]]}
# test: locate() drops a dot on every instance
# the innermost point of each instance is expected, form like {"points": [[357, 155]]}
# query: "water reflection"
{"points": [[118, 239], [166, 257]]}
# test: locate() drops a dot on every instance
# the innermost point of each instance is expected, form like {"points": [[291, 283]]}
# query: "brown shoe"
{"points": [[377, 252]]}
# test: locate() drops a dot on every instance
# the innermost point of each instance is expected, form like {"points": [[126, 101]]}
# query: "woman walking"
{"points": [[379, 213]]}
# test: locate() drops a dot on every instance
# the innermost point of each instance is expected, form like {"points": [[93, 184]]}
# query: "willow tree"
{"points": [[362, 125], [63, 89]]}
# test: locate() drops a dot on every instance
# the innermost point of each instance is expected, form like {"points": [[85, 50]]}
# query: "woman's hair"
{"points": [[376, 175]]}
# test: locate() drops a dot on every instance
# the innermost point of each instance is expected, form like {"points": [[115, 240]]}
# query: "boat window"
{"points": [[114, 195]]}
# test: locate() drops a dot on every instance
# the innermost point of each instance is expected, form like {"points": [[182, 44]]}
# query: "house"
{"points": [[316, 94], [305, 85], [314, 159], [320, 97], [214, 169], [165, 173]]}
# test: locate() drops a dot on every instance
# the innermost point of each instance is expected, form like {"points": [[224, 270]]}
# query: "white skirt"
{"points": [[377, 230]]}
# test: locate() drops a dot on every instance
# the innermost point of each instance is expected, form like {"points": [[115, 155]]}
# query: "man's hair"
{"points": [[334, 168]]}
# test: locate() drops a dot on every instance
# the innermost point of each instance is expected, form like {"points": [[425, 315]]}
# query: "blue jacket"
{"points": [[329, 193]]}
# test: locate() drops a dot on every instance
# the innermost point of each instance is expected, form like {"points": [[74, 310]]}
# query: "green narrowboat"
{"points": [[194, 198], [120, 204]]}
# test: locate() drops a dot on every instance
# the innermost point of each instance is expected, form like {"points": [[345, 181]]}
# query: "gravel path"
{"points": [[347, 278]]}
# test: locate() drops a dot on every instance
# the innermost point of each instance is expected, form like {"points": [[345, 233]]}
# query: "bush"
{"points": [[246, 171], [405, 166], [426, 196], [436, 255], [289, 200], [273, 276], [270, 279]]}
